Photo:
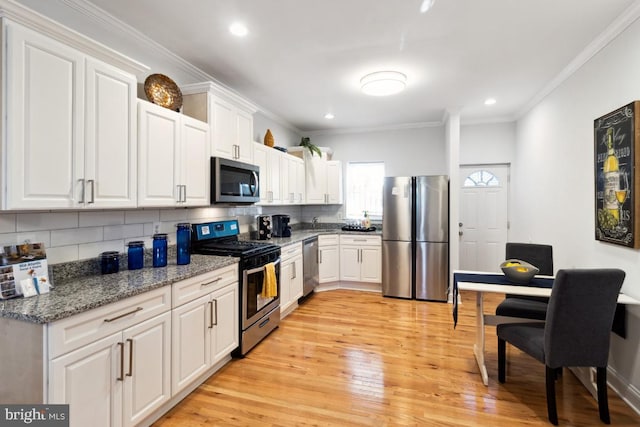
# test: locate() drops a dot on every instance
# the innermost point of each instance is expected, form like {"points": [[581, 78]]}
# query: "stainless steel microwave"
{"points": [[234, 182]]}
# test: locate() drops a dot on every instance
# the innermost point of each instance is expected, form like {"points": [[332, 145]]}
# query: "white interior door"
{"points": [[483, 220]]}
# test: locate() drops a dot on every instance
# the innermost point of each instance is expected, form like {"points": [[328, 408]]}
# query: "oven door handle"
{"points": [[259, 269]]}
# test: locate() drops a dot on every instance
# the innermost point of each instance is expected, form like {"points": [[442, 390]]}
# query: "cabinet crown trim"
{"points": [[218, 90]]}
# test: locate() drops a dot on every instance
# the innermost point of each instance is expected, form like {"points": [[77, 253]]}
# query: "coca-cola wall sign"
{"points": [[616, 138]]}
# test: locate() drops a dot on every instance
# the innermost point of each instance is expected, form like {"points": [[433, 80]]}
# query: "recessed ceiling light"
{"points": [[490, 101], [329, 116], [383, 83], [238, 29]]}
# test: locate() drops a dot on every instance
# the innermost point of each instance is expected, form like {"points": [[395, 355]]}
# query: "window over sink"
{"points": [[363, 190]]}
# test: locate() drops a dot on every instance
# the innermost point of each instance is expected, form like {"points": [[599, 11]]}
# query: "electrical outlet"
{"points": [[156, 227]]}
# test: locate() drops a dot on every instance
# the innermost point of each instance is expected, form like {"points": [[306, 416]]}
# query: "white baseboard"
{"points": [[627, 392], [354, 286]]}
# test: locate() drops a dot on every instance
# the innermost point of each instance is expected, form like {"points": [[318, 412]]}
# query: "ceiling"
{"points": [[304, 58]]}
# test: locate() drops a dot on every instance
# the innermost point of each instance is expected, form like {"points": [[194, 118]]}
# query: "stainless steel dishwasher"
{"points": [[310, 265]]}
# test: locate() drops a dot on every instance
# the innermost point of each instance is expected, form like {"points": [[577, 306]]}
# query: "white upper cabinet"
{"points": [[110, 135], [323, 180], [44, 97], [173, 159], [268, 160], [70, 126], [195, 162], [230, 117]]}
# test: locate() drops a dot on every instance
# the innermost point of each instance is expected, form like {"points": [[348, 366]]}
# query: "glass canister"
{"points": [[109, 262], [183, 237], [160, 250], [135, 255]]}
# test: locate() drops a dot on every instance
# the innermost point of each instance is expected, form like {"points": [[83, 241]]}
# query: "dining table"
{"points": [[481, 282]]}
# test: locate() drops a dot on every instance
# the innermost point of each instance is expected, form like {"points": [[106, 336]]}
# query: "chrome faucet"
{"points": [[314, 222]]}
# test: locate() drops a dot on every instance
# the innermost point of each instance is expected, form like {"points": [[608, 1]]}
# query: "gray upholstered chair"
{"points": [[576, 332], [540, 256]]}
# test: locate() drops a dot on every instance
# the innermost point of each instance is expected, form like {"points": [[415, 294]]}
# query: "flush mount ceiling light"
{"points": [[329, 116], [383, 83], [238, 29], [490, 101]]}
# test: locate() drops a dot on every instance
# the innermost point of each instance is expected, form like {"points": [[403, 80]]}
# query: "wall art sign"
{"points": [[617, 203]]}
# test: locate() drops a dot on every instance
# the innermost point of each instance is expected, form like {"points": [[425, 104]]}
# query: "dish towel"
{"points": [[269, 284]]}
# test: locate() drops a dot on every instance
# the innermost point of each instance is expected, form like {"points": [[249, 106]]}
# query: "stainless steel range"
{"points": [[259, 315]]}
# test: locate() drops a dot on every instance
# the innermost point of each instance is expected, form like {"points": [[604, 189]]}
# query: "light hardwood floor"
{"points": [[353, 358]]}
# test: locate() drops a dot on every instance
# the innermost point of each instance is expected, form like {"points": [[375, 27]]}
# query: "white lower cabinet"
{"points": [[360, 258], [121, 378], [205, 322], [329, 258], [123, 364], [291, 277]]}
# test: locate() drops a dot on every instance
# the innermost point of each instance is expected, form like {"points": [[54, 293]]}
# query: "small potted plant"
{"points": [[306, 142]]}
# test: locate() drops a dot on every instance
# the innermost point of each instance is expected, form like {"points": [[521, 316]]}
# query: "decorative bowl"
{"points": [[163, 91], [518, 271]]}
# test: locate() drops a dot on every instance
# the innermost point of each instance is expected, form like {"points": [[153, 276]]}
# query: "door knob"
{"points": [[460, 233]]}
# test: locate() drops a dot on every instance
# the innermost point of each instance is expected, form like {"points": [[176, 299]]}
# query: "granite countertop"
{"points": [[303, 234], [77, 295], [85, 292]]}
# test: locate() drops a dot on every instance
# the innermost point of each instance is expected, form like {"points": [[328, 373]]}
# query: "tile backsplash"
{"points": [[76, 235]]}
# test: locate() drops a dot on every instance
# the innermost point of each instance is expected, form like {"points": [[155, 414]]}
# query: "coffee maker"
{"points": [[264, 227], [281, 226]]}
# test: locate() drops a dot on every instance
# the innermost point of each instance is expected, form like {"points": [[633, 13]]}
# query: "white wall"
{"points": [[416, 151], [553, 181], [283, 136], [487, 143]]}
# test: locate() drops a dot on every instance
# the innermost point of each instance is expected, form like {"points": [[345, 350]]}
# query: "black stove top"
{"points": [[221, 238], [233, 248]]}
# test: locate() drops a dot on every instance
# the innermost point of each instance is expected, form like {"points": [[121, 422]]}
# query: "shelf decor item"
{"points": [[268, 139], [305, 141], [163, 91], [617, 201]]}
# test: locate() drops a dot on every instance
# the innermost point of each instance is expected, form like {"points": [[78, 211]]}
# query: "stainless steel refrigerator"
{"points": [[415, 237]]}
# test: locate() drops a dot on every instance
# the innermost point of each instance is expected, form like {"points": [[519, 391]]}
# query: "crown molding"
{"points": [[619, 25], [417, 125], [23, 15], [96, 14], [219, 91]]}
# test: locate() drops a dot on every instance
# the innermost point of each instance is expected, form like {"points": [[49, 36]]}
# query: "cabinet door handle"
{"points": [[293, 271], [82, 186], [319, 256], [124, 314], [215, 301], [216, 280], [93, 190], [121, 377], [185, 194], [210, 314], [130, 373]]}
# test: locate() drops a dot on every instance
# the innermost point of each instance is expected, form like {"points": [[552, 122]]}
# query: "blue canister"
{"points": [[109, 262], [135, 255], [183, 237], [160, 250]]}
